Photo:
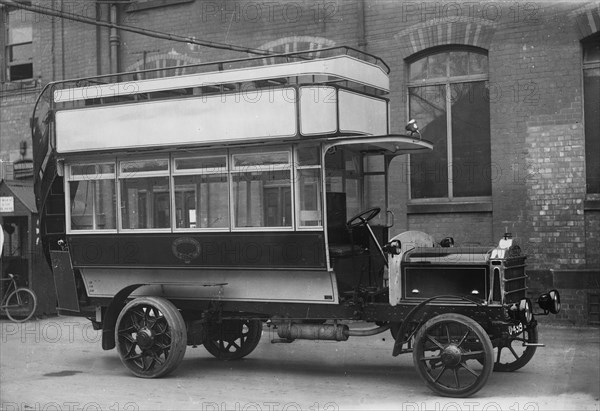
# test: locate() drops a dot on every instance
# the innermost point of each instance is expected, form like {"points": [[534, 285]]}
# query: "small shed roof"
{"points": [[23, 191]]}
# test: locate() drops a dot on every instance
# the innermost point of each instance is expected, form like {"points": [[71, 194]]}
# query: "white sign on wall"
{"points": [[7, 204]]}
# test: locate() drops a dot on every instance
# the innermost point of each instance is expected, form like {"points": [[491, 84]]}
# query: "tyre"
{"points": [[151, 337], [453, 355], [510, 355], [233, 339], [21, 305]]}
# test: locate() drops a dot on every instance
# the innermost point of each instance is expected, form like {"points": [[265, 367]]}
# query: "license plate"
{"points": [[515, 329]]}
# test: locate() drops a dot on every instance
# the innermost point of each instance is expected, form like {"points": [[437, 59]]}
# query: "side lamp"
{"points": [[550, 302]]}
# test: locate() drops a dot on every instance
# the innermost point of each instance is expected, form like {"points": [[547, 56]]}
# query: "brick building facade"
{"points": [[540, 76]]}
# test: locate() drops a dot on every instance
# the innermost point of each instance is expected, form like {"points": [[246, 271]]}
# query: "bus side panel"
{"points": [[294, 286], [269, 250], [64, 281]]}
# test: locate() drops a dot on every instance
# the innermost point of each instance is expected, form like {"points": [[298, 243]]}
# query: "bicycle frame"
{"points": [[9, 289]]}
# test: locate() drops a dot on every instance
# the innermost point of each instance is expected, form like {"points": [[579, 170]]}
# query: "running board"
{"points": [[533, 345]]}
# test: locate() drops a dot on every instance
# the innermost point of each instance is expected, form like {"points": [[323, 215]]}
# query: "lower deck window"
{"points": [[262, 199], [202, 201], [145, 203], [93, 204]]}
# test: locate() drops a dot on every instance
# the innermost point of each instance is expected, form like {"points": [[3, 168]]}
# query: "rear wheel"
{"points": [[233, 339], [511, 354], [453, 355], [21, 305], [151, 337]]}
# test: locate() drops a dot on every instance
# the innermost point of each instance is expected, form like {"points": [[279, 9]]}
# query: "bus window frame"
{"points": [[69, 177], [233, 169], [200, 172], [143, 174]]}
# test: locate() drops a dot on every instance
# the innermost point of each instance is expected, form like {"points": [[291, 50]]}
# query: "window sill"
{"points": [[152, 4], [449, 207], [591, 204]]}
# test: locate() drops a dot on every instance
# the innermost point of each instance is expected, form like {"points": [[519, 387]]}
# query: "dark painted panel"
{"points": [[64, 279], [254, 250]]}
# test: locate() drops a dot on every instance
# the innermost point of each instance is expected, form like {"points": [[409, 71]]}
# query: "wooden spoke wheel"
{"points": [[511, 354], [233, 339], [21, 305], [151, 337], [453, 355]]}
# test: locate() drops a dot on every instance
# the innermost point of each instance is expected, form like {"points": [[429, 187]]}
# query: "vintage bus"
{"points": [[195, 205]]}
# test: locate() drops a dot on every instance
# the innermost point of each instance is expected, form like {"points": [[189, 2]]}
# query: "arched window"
{"points": [[591, 97], [448, 96]]}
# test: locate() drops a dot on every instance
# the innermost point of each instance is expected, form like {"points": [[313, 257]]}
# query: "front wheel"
{"points": [[453, 355], [151, 337], [21, 305], [511, 354], [233, 339]]}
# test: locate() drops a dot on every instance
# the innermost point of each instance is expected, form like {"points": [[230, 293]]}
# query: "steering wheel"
{"points": [[363, 217]]}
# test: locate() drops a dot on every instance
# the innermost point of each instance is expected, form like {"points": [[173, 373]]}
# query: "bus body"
{"points": [[189, 206]]}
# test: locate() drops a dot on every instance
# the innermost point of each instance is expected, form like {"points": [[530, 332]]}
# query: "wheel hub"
{"points": [[145, 338], [451, 356]]}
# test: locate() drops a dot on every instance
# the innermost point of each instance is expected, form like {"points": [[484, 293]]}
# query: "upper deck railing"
{"points": [[343, 66], [338, 65]]}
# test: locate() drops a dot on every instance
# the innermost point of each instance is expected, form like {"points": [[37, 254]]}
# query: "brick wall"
{"points": [[538, 185], [466, 228]]}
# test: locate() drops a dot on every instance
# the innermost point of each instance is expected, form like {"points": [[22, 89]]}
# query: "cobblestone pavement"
{"points": [[58, 364]]}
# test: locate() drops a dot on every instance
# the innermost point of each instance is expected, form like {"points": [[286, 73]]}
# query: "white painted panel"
{"points": [[362, 114], [318, 110], [233, 117], [344, 67], [195, 284]]}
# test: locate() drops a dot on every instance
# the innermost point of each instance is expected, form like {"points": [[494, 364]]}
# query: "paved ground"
{"points": [[58, 364]]}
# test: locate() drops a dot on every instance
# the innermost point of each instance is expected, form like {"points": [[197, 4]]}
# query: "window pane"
{"points": [[211, 164], [418, 70], [309, 198], [20, 26], [471, 156], [21, 53], [92, 171], [106, 205], [131, 168], [202, 201], [429, 172], [591, 50], [259, 159], [591, 87], [145, 203], [262, 199], [309, 156], [459, 61], [437, 65], [375, 196], [82, 205], [478, 63]]}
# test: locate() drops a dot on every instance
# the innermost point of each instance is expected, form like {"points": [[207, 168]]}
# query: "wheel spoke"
{"points": [[466, 367], [470, 355], [463, 338], [436, 342], [438, 358], [456, 377], [499, 352], [442, 371], [513, 352], [447, 333]]}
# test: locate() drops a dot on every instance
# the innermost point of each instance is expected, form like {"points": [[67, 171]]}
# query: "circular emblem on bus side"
{"points": [[186, 249]]}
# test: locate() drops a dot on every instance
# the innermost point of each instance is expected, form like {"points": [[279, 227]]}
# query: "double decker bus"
{"points": [[193, 205]]}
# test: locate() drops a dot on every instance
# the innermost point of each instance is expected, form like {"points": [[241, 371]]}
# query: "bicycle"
{"points": [[20, 303]]}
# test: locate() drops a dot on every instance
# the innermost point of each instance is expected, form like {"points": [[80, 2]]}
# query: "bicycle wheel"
{"points": [[20, 305]]}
